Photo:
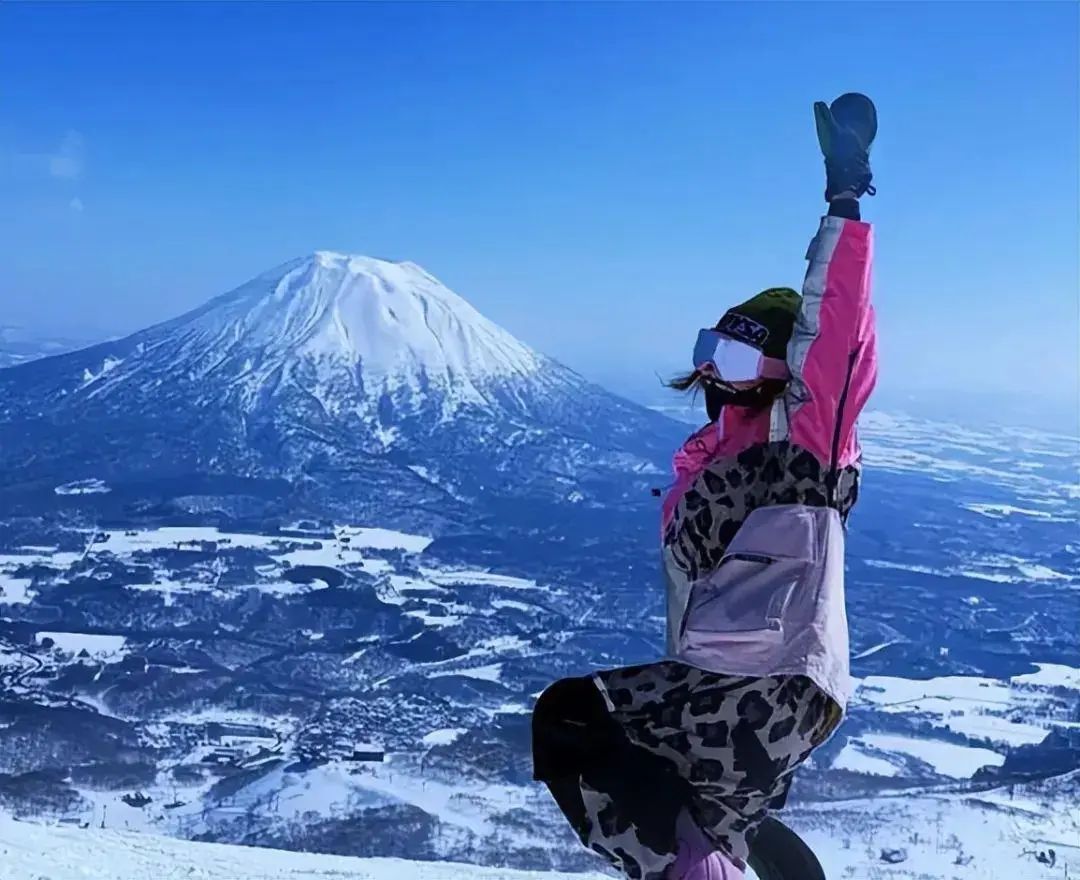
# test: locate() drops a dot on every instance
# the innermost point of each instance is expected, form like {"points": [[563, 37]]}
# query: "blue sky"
{"points": [[601, 179]]}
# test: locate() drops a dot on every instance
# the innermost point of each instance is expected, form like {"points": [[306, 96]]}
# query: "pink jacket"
{"points": [[753, 557], [832, 357]]}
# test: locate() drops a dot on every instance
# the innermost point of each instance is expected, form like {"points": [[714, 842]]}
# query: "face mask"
{"points": [[717, 396]]}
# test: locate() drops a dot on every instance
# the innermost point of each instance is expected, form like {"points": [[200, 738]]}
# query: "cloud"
{"points": [[66, 161], [76, 205]]}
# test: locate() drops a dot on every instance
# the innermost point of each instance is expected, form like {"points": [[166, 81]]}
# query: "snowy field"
{"points": [[347, 546], [981, 708], [38, 852], [987, 836], [991, 836]]}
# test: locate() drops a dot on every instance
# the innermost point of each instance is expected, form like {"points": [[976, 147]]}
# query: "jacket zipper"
{"points": [[834, 475]]}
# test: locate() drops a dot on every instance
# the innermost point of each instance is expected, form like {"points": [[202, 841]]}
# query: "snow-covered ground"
{"points": [[30, 851], [1052, 675], [948, 759], [990, 836], [1024, 834], [858, 759], [348, 545], [346, 539], [92, 486], [75, 643], [982, 708]]}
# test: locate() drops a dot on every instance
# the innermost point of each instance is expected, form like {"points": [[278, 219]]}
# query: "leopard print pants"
{"points": [[723, 747]]}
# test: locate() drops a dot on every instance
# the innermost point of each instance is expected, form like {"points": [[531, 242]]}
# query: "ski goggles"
{"points": [[735, 361]]}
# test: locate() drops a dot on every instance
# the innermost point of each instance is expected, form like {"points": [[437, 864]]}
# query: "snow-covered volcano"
{"points": [[349, 377], [349, 330]]}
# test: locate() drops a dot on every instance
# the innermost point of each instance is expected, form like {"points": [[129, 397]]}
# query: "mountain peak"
{"points": [[359, 264], [391, 324]]}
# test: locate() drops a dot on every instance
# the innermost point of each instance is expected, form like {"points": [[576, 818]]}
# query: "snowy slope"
{"points": [[1031, 833], [993, 835], [39, 852]]}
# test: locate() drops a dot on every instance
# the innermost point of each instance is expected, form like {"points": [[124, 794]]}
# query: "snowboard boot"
{"points": [[846, 131]]}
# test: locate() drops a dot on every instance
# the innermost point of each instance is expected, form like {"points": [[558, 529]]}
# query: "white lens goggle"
{"points": [[735, 361]]}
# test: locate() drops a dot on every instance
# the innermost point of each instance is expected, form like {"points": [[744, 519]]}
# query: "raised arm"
{"points": [[832, 354], [833, 350]]}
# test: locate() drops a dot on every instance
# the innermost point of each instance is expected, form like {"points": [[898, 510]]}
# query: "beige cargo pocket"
{"points": [[745, 598]]}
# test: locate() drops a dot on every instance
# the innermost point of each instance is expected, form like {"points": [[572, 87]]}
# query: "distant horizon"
{"points": [[948, 405], [1066, 400]]}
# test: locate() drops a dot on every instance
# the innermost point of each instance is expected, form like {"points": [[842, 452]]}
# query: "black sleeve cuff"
{"points": [[846, 208]]}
